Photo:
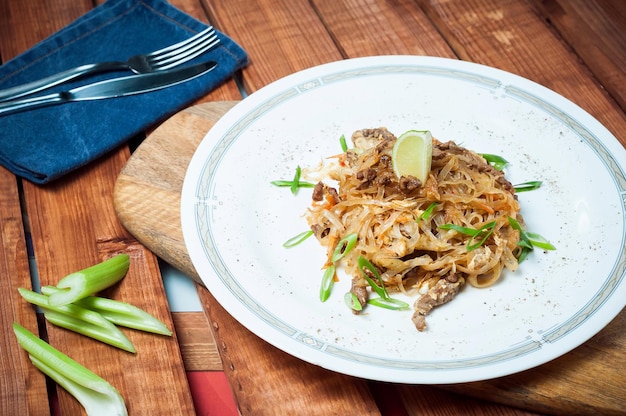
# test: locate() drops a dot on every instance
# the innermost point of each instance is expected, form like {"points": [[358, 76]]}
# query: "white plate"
{"points": [[235, 221]]}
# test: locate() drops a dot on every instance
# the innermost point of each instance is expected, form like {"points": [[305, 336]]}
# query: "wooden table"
{"points": [[577, 48]]}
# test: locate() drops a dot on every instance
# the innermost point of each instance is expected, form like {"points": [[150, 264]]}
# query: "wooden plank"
{"points": [[365, 28], [75, 217], [596, 31], [22, 387], [514, 38], [73, 226], [196, 340]]}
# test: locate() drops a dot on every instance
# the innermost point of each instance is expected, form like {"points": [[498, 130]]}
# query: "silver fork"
{"points": [[162, 59]]}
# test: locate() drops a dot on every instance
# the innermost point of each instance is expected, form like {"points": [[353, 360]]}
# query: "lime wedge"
{"points": [[412, 154]]}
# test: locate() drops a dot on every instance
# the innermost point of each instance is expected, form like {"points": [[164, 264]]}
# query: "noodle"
{"points": [[415, 255]]}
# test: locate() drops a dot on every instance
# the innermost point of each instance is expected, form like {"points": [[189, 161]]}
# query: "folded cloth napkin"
{"points": [[44, 144]]}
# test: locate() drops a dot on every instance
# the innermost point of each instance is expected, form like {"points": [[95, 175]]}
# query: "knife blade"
{"points": [[111, 88]]}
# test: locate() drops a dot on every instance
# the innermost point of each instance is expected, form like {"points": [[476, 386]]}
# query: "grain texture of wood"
{"points": [[603, 52], [20, 380], [514, 38], [197, 344], [73, 225]]}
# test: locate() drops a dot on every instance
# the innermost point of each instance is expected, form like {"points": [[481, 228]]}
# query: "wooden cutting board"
{"points": [[589, 380]]}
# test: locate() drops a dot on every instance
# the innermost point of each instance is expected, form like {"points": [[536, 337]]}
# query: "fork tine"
{"points": [[186, 55], [192, 40]]}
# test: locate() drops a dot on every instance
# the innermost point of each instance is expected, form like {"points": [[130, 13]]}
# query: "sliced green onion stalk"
{"points": [[498, 162], [297, 239], [342, 142], [528, 241], [389, 303], [80, 320], [481, 233], [527, 186], [93, 279], [301, 184], [378, 287], [427, 212], [352, 301], [327, 282], [119, 313], [95, 394], [344, 246]]}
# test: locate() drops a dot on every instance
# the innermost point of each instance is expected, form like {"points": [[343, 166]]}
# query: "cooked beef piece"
{"points": [[442, 292], [409, 183], [320, 190]]}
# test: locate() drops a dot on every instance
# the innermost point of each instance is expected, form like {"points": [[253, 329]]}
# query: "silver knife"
{"points": [[117, 87]]}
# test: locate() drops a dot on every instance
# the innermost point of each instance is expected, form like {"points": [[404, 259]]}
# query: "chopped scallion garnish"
{"points": [[527, 186], [284, 184], [528, 241], [498, 162], [427, 212], [297, 239], [327, 282], [295, 183], [389, 303], [342, 142], [352, 301], [378, 286], [481, 234], [344, 246], [385, 301]]}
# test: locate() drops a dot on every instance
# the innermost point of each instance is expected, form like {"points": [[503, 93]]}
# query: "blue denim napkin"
{"points": [[43, 144]]}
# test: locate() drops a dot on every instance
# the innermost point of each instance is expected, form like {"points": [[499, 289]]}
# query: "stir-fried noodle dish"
{"points": [[425, 239]]}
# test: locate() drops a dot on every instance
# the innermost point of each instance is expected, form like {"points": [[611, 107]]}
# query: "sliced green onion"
{"points": [[352, 301], [379, 287], [91, 280], [344, 246], [301, 184], [297, 239], [80, 320], [527, 186], [327, 282], [528, 241], [95, 394], [342, 142], [389, 303], [483, 233], [460, 229], [538, 241], [427, 212], [119, 313], [498, 162]]}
